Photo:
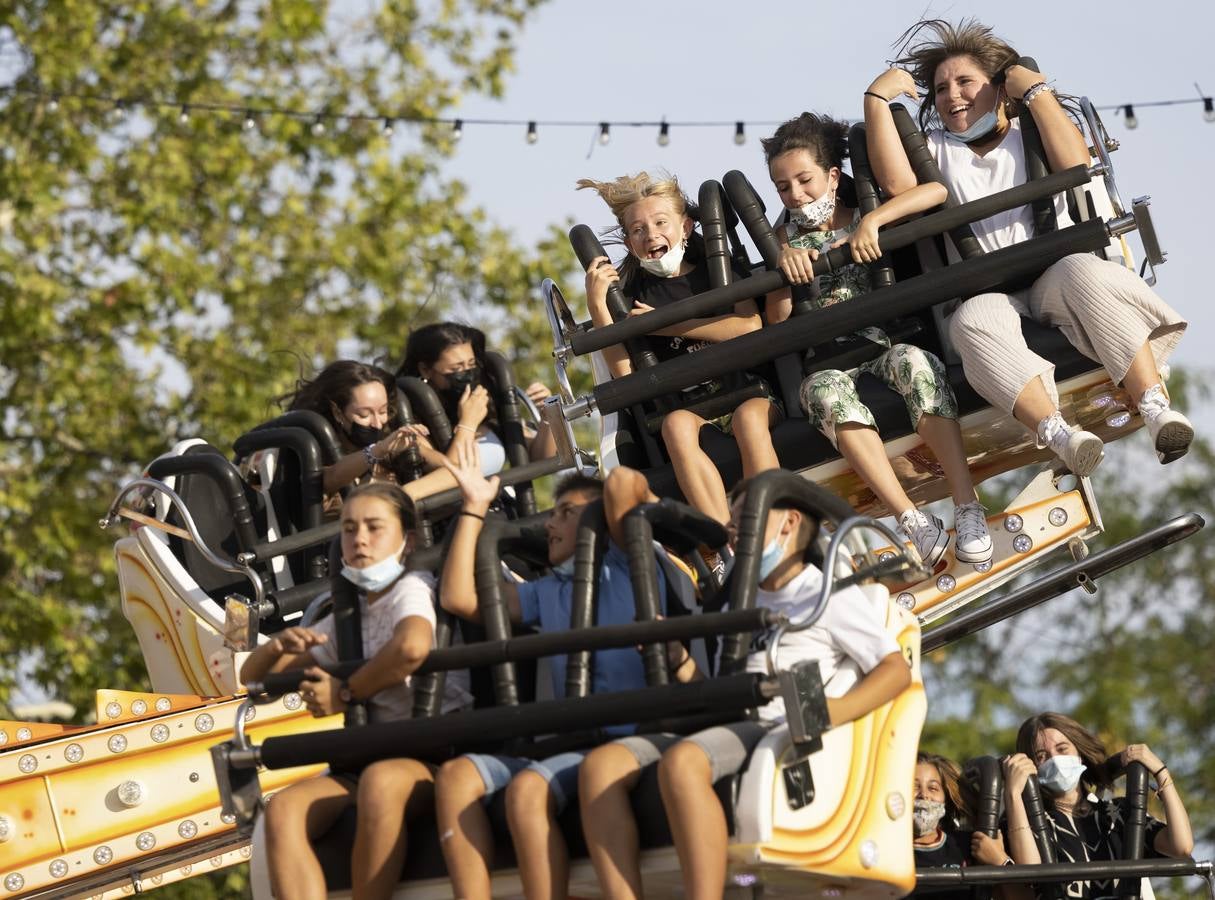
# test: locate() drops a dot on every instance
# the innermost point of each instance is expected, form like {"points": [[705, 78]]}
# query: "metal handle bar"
{"points": [[226, 565], [1100, 138], [833, 550], [561, 348]]}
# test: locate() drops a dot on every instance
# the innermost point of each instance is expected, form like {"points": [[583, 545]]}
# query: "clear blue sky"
{"points": [[716, 60]]}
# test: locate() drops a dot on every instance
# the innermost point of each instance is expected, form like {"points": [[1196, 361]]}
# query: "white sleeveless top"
{"points": [[970, 177]]}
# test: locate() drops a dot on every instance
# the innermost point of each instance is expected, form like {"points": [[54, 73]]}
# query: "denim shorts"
{"points": [[647, 749], [560, 771], [728, 746]]}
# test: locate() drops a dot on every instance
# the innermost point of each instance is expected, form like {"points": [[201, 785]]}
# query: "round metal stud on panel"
{"points": [[186, 869], [159, 733], [130, 793], [293, 701], [103, 855], [139, 707], [1023, 543], [117, 743], [896, 805], [14, 882], [187, 829], [227, 818], [946, 583], [6, 828], [24, 734], [1013, 523], [905, 600], [245, 852], [869, 853], [146, 841], [983, 568], [27, 763], [163, 704], [58, 868], [73, 753], [113, 709], [250, 714], [216, 861], [3, 737], [203, 722], [1057, 516], [886, 556]]}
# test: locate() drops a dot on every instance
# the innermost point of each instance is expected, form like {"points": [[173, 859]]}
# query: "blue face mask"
{"points": [[1060, 774], [774, 552], [376, 576], [982, 128]]}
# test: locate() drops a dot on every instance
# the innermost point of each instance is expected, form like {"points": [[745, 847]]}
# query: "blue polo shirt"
{"points": [[545, 603]]}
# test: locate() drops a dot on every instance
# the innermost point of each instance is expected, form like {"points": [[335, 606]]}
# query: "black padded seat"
{"points": [[799, 446]]}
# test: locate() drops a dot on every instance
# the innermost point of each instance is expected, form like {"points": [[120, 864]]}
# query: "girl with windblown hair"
{"points": [[663, 267]]}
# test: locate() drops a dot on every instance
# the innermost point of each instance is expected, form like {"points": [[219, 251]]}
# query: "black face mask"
{"points": [[458, 381], [365, 435]]}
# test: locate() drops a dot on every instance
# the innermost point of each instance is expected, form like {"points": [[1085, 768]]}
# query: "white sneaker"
{"points": [[973, 541], [1171, 431], [927, 533], [1080, 451]]}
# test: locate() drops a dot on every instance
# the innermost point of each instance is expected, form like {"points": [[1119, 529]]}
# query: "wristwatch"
{"points": [[344, 693]]}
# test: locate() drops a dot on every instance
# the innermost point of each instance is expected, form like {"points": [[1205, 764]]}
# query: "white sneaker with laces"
{"points": [[1081, 451], [973, 541], [1171, 432], [927, 533]]}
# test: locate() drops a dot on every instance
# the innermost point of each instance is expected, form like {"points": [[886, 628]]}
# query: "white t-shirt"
{"points": [[972, 177], [412, 595], [851, 628]]}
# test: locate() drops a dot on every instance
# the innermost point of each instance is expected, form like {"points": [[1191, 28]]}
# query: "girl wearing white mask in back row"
{"points": [[1069, 762]]}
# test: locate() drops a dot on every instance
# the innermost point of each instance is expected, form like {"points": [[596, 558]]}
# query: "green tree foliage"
{"points": [[1132, 662], [164, 278]]}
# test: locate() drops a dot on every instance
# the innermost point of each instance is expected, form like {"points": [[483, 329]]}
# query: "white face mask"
{"points": [[565, 567], [376, 576], [816, 214], [926, 815], [667, 265], [1060, 774]]}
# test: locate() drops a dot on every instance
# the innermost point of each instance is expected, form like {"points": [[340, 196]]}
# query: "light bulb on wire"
{"points": [[740, 134], [1208, 109], [457, 129], [1131, 121], [532, 134], [664, 134], [318, 126], [52, 105], [605, 133], [183, 117], [386, 129]]}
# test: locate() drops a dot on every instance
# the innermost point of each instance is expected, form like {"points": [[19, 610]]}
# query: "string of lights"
{"points": [[251, 115]]}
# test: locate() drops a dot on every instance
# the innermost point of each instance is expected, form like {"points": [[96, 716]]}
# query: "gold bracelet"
{"points": [[465, 427], [1160, 787]]}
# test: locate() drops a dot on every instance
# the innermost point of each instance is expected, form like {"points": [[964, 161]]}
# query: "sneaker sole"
{"points": [[1173, 441], [938, 550], [1088, 456], [973, 558]]}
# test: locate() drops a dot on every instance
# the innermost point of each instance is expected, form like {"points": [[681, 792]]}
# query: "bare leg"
{"points": [[1142, 374], [862, 447], [464, 830], [539, 846], [944, 437], [392, 793], [624, 489], [605, 780], [295, 817], [698, 823], [1033, 405], [698, 477], [753, 421]]}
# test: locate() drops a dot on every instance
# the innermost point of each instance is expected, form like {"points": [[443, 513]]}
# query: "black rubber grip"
{"points": [[713, 227], [211, 464]]}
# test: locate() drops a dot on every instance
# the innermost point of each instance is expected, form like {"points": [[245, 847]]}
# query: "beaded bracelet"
{"points": [[370, 457], [1035, 90]]}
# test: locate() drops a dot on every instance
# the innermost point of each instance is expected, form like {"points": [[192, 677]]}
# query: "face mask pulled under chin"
{"points": [[378, 575], [982, 127], [773, 553], [816, 214], [667, 265]]}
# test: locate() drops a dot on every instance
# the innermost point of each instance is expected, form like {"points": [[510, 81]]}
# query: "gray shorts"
{"points": [[728, 746], [647, 749]]}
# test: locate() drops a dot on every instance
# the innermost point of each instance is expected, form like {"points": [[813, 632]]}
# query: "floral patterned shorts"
{"points": [[830, 397]]}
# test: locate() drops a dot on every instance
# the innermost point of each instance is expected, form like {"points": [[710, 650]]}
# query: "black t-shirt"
{"points": [[952, 853], [1097, 835]]}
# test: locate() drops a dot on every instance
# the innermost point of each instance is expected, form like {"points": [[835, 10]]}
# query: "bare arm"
{"points": [[891, 168], [1021, 845], [599, 276], [396, 660], [458, 586], [1177, 838], [1062, 141], [286, 650], [880, 685]]}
